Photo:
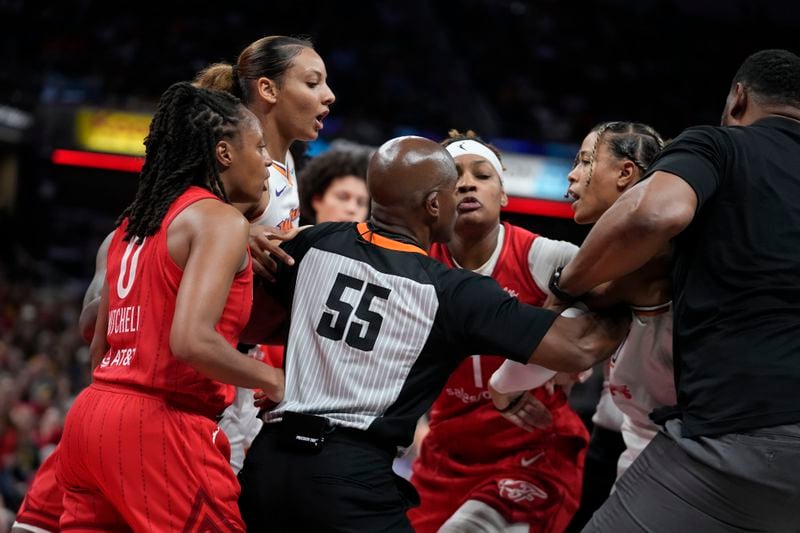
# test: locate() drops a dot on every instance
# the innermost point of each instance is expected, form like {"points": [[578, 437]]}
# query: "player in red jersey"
{"points": [[141, 449], [476, 470], [42, 507]]}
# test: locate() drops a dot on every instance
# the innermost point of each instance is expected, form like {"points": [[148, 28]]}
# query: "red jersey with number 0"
{"points": [[143, 282], [463, 417]]}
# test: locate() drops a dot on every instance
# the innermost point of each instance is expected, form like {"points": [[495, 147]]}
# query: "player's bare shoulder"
{"points": [[212, 216]]}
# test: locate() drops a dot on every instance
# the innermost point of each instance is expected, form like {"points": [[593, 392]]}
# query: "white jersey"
{"points": [[283, 211], [240, 420], [642, 377], [636, 439], [607, 415]]}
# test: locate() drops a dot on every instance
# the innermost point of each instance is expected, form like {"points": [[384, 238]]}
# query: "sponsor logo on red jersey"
{"points": [[466, 397], [517, 490]]}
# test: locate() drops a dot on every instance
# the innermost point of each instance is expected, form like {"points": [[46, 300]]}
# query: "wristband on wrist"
{"points": [[562, 295], [512, 404]]}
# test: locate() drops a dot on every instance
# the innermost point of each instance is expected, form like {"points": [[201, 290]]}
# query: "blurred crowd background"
{"points": [[532, 77]]}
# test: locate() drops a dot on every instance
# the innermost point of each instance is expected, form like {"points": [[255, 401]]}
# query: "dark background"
{"points": [[537, 73]]}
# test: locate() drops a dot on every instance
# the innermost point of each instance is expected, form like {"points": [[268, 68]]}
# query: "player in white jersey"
{"points": [[282, 80], [641, 377], [283, 209], [612, 159]]}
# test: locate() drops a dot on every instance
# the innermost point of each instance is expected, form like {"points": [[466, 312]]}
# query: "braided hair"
{"points": [[180, 149], [454, 136], [627, 140]]}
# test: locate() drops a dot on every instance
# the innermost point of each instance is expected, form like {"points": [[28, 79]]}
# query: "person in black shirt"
{"points": [[376, 328], [729, 198]]}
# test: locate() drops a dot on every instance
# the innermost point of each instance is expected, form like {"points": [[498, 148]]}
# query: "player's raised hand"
{"points": [[266, 251]]}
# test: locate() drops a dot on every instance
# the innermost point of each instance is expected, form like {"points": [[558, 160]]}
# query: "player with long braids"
{"points": [[141, 448]]}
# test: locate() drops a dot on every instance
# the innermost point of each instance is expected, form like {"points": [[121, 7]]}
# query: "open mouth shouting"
{"points": [[575, 197], [318, 125]]}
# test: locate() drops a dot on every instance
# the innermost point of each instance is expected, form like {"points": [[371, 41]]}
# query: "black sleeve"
{"points": [[482, 318], [697, 156]]}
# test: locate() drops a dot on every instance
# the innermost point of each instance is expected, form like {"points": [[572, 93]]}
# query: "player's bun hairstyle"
{"points": [[269, 57], [454, 136], [322, 170], [180, 152], [774, 75]]}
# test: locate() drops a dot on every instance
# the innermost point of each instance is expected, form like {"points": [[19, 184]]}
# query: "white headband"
{"points": [[470, 147]]}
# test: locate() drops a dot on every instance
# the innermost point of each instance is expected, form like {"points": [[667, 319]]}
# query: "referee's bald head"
{"points": [[405, 169], [412, 183]]}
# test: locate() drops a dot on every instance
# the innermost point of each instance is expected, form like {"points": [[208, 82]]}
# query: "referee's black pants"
{"points": [[348, 486]]}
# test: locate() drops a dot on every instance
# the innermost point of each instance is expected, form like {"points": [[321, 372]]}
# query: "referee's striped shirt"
{"points": [[377, 327]]}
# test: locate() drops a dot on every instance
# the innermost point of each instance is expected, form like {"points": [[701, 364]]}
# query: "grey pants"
{"points": [[730, 483]]}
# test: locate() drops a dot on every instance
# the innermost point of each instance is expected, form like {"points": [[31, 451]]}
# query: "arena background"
{"points": [[79, 80]]}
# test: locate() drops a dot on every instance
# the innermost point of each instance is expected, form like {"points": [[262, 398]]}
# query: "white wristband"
{"points": [[515, 377]]}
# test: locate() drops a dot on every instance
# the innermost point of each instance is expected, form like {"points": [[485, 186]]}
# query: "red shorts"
{"points": [[536, 486], [42, 504], [129, 461]]}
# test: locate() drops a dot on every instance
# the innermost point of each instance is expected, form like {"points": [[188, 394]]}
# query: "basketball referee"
{"points": [[374, 326]]}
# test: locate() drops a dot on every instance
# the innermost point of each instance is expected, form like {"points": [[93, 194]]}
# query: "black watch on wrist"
{"points": [[562, 296]]}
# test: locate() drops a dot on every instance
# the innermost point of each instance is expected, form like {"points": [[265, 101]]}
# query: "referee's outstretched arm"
{"points": [[576, 344]]}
